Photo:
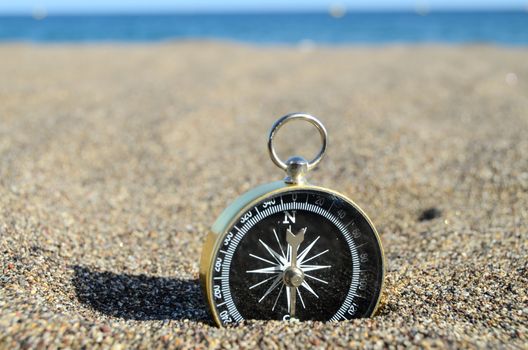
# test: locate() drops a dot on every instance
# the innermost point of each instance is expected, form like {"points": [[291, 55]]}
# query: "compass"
{"points": [[289, 250]]}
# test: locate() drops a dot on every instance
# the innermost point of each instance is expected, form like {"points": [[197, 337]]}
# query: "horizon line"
{"points": [[158, 12]]}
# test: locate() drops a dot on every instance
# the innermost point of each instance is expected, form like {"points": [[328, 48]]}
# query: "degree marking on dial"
{"points": [[351, 221], [359, 296]]}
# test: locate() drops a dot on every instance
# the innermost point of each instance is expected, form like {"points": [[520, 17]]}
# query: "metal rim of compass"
{"points": [[220, 238]]}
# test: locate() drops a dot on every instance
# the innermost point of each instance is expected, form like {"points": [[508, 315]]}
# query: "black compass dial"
{"points": [[307, 254]]}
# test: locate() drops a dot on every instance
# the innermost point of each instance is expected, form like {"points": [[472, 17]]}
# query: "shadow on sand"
{"points": [[140, 297]]}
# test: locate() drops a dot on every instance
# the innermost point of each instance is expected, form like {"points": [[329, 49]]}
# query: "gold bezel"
{"points": [[213, 240]]}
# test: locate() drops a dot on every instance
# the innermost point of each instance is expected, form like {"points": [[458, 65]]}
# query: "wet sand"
{"points": [[115, 160]]}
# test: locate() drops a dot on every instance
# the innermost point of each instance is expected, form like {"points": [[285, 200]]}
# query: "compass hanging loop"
{"points": [[296, 167]]}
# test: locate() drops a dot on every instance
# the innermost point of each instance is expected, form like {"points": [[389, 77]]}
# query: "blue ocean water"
{"points": [[504, 28]]}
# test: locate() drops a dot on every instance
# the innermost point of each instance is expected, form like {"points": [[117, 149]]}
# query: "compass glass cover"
{"points": [[308, 254]]}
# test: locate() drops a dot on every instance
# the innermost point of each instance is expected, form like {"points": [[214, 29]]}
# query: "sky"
{"points": [[139, 6]]}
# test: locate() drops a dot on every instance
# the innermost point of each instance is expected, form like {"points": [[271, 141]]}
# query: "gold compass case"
{"points": [[288, 250]]}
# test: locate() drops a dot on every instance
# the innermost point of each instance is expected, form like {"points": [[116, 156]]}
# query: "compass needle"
{"points": [[315, 278], [277, 298], [300, 297], [265, 260], [272, 269], [313, 257], [279, 243], [307, 249], [293, 276], [307, 268], [274, 254], [261, 282], [288, 299], [307, 286], [272, 287]]}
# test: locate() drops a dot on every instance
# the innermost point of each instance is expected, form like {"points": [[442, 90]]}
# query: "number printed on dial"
{"points": [[308, 254]]}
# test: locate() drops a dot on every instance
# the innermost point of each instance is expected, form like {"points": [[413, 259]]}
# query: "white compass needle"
{"points": [[303, 254], [307, 268], [274, 254], [277, 298], [307, 286], [279, 243], [265, 260], [288, 298], [261, 282], [315, 256], [300, 297], [271, 269], [274, 285], [294, 241], [315, 278]]}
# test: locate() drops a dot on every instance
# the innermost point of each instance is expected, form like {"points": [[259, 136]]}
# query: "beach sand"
{"points": [[116, 159]]}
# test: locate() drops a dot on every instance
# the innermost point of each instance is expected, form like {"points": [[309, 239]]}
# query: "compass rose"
{"points": [[288, 270]]}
